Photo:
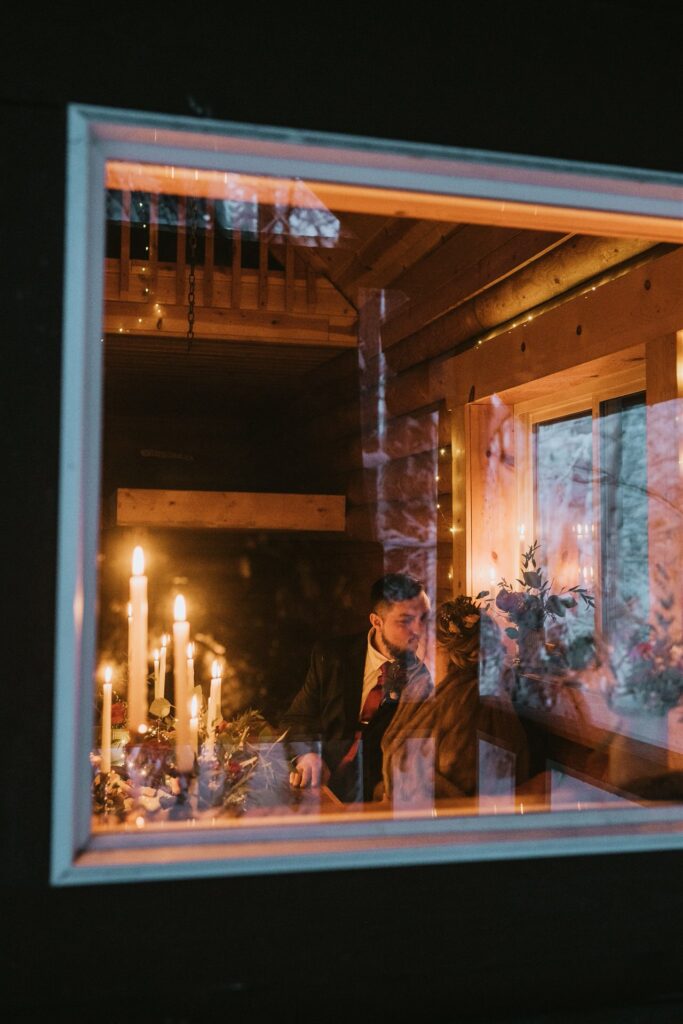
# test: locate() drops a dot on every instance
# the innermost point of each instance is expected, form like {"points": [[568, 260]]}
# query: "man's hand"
{"points": [[310, 770]]}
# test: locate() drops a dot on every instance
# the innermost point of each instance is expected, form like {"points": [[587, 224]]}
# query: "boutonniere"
{"points": [[395, 679]]}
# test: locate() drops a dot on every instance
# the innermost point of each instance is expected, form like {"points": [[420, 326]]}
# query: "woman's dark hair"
{"points": [[395, 586]]}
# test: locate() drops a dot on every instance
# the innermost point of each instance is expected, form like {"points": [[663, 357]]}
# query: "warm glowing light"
{"points": [[194, 706], [142, 729], [140, 821], [108, 673], [179, 610], [138, 562], [215, 670], [164, 639], [190, 651]]}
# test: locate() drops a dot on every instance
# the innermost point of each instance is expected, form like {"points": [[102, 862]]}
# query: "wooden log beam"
{"points": [[230, 510], [463, 247], [464, 282], [631, 310], [559, 270]]}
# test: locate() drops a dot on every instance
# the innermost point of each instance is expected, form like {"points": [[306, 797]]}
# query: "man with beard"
{"points": [[337, 719]]}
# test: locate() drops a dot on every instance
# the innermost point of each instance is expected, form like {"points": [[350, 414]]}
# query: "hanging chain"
{"points": [[194, 216]]}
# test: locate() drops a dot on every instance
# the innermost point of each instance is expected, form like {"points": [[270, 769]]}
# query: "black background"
{"points": [[584, 81]]}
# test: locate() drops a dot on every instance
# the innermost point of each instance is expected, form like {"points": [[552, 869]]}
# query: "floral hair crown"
{"points": [[458, 618]]}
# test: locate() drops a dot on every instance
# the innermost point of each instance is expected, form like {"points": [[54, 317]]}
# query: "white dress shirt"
{"points": [[374, 660]]}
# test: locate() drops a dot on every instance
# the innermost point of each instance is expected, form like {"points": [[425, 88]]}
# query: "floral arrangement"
{"points": [[236, 769], [530, 610], [235, 774], [653, 680], [650, 676]]}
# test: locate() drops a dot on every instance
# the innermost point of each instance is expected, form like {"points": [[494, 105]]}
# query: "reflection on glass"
{"points": [[279, 633], [624, 524], [563, 496]]}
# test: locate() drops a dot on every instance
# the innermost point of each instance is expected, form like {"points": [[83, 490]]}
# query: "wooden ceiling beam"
{"points": [[461, 248], [405, 243], [418, 243], [389, 235], [229, 510], [516, 252], [230, 325]]}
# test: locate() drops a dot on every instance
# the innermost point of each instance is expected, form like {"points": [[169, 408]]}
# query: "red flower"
{"points": [[641, 650], [118, 712]]}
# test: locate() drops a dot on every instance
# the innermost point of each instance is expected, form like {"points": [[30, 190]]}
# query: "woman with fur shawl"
{"points": [[430, 748]]}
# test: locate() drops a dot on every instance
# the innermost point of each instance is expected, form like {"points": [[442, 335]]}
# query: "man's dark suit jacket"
{"points": [[327, 709]]}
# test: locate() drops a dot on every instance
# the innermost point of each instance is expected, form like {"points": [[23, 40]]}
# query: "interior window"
{"points": [[565, 525], [624, 522]]}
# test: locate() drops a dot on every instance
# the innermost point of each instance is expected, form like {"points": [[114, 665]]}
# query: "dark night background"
{"points": [[556, 939]]}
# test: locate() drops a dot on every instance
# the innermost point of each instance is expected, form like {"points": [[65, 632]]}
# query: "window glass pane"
{"points": [[565, 532], [624, 528], [317, 600]]}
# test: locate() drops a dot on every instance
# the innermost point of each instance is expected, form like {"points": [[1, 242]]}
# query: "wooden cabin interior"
{"points": [[359, 393]]}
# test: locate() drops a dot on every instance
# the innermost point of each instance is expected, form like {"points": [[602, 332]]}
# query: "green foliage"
{"points": [[533, 604]]}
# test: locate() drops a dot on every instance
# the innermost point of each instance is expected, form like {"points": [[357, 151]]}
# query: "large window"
{"points": [[336, 588]]}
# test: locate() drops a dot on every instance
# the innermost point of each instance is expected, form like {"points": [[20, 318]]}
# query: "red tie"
{"points": [[368, 711]]}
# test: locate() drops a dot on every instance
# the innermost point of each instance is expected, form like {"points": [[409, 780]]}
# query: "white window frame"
{"points": [[483, 188]]}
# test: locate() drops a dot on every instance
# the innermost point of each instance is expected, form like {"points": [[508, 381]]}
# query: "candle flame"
{"points": [[138, 561], [215, 670], [164, 640], [190, 651], [108, 673], [130, 610], [194, 706], [179, 611], [156, 654]]}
